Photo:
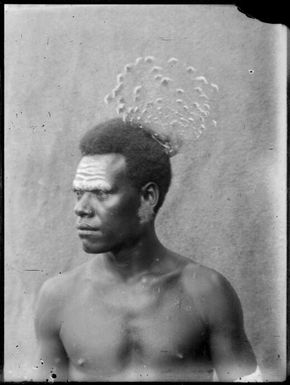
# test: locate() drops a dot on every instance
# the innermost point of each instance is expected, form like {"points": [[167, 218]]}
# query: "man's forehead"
{"points": [[102, 163], [95, 168]]}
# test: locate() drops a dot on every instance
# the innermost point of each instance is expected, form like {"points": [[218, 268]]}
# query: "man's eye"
{"points": [[101, 194], [78, 194]]}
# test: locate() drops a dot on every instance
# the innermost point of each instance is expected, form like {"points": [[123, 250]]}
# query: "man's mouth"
{"points": [[85, 229], [83, 226]]}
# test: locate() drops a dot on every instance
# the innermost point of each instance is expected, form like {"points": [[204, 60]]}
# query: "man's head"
{"points": [[146, 160], [121, 182]]}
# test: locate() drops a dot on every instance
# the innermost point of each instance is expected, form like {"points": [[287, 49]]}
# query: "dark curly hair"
{"points": [[146, 159]]}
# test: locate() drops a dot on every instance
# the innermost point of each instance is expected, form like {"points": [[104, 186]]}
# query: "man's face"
{"points": [[107, 203]]}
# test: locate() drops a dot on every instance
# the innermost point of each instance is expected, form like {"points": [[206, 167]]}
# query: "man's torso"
{"points": [[150, 330]]}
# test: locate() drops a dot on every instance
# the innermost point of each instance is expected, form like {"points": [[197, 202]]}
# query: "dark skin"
{"points": [[138, 311]]}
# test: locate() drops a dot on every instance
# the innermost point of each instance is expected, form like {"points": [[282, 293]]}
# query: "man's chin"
{"points": [[93, 248]]}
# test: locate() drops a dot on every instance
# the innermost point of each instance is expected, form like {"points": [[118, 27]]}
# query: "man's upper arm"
{"points": [[231, 352], [52, 359]]}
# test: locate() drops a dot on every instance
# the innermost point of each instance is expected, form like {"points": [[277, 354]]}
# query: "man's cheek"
{"points": [[122, 210], [145, 213]]}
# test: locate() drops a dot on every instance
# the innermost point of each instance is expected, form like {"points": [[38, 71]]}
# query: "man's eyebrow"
{"points": [[91, 186]]}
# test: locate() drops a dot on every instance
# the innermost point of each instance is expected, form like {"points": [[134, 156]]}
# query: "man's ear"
{"points": [[150, 194]]}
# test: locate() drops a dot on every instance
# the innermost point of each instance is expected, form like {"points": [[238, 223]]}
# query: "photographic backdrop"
{"points": [[226, 207]]}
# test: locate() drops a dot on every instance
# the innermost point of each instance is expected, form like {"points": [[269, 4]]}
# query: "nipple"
{"points": [[57, 360], [81, 361]]}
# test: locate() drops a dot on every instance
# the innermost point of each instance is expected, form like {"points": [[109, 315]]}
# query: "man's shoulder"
{"points": [[207, 283], [55, 293], [197, 276], [62, 285], [211, 291], [203, 279]]}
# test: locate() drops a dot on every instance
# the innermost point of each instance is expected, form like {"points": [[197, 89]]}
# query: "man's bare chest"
{"points": [[118, 327]]}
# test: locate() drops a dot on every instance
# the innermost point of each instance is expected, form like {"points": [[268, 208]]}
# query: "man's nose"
{"points": [[83, 207]]}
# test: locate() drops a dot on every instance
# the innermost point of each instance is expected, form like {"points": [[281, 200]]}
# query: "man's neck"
{"points": [[140, 257]]}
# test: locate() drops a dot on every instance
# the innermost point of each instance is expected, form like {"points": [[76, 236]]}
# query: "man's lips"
{"points": [[86, 230], [85, 226]]}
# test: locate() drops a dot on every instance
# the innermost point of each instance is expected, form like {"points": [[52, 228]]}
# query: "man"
{"points": [[137, 311]]}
